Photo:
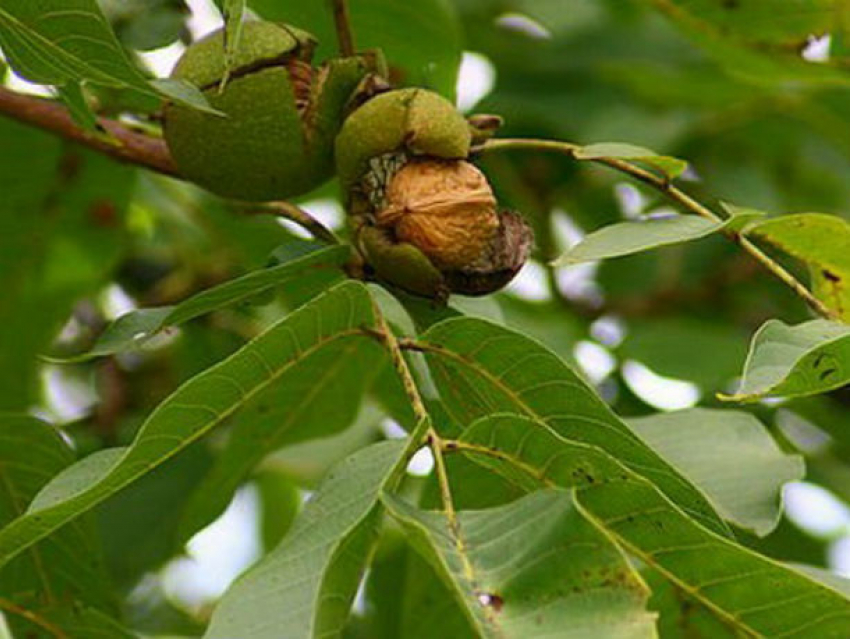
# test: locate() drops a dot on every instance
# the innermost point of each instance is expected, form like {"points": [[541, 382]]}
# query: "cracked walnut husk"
{"points": [[425, 219]]}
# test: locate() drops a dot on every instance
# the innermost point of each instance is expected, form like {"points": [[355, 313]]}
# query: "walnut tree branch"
{"points": [[674, 193], [124, 144]]}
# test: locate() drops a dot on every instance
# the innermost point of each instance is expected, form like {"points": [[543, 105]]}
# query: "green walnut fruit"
{"points": [[425, 219], [281, 114]]}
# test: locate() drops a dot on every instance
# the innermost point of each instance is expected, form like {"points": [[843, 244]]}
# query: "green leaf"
{"points": [[146, 24], [826, 577], [145, 516], [232, 12], [680, 616], [74, 98], [531, 568], [317, 399], [822, 242], [428, 55], [83, 622], [280, 502], [753, 594], [306, 462], [61, 41], [481, 369], [760, 42], [133, 329], [406, 599], [627, 238], [64, 569], [730, 456], [184, 93], [794, 361], [776, 22], [306, 585], [191, 411], [669, 166]]}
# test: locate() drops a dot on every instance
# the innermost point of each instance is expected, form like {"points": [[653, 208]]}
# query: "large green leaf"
{"points": [[69, 41], [481, 369], [822, 242], [192, 410], [751, 593], [296, 407], [132, 330], [532, 568], [304, 588], [730, 456], [65, 569], [793, 361], [680, 616], [428, 55]]}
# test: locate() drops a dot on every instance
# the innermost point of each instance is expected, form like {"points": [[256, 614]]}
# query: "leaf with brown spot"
{"points": [[752, 594], [532, 568], [822, 242], [795, 361]]}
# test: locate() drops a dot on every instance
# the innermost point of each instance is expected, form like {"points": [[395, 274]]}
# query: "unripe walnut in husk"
{"points": [[425, 219], [281, 114]]}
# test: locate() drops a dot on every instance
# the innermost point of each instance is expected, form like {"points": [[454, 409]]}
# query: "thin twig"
{"points": [[15, 609], [432, 438], [295, 214], [122, 143], [344, 32], [663, 185]]}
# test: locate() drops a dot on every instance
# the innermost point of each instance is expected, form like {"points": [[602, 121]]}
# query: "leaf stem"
{"points": [[432, 438], [344, 32], [293, 213], [674, 193], [436, 444], [15, 609]]}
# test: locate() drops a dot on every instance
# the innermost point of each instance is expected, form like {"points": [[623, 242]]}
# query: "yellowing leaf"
{"points": [[823, 243]]}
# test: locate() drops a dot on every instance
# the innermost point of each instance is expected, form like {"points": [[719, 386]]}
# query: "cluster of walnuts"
{"points": [[423, 218]]}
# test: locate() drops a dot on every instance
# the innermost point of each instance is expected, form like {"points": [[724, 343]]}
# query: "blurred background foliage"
{"points": [[757, 100]]}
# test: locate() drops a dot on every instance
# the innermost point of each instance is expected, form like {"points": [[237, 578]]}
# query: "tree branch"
{"points": [[122, 143], [674, 193], [344, 32], [125, 145]]}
